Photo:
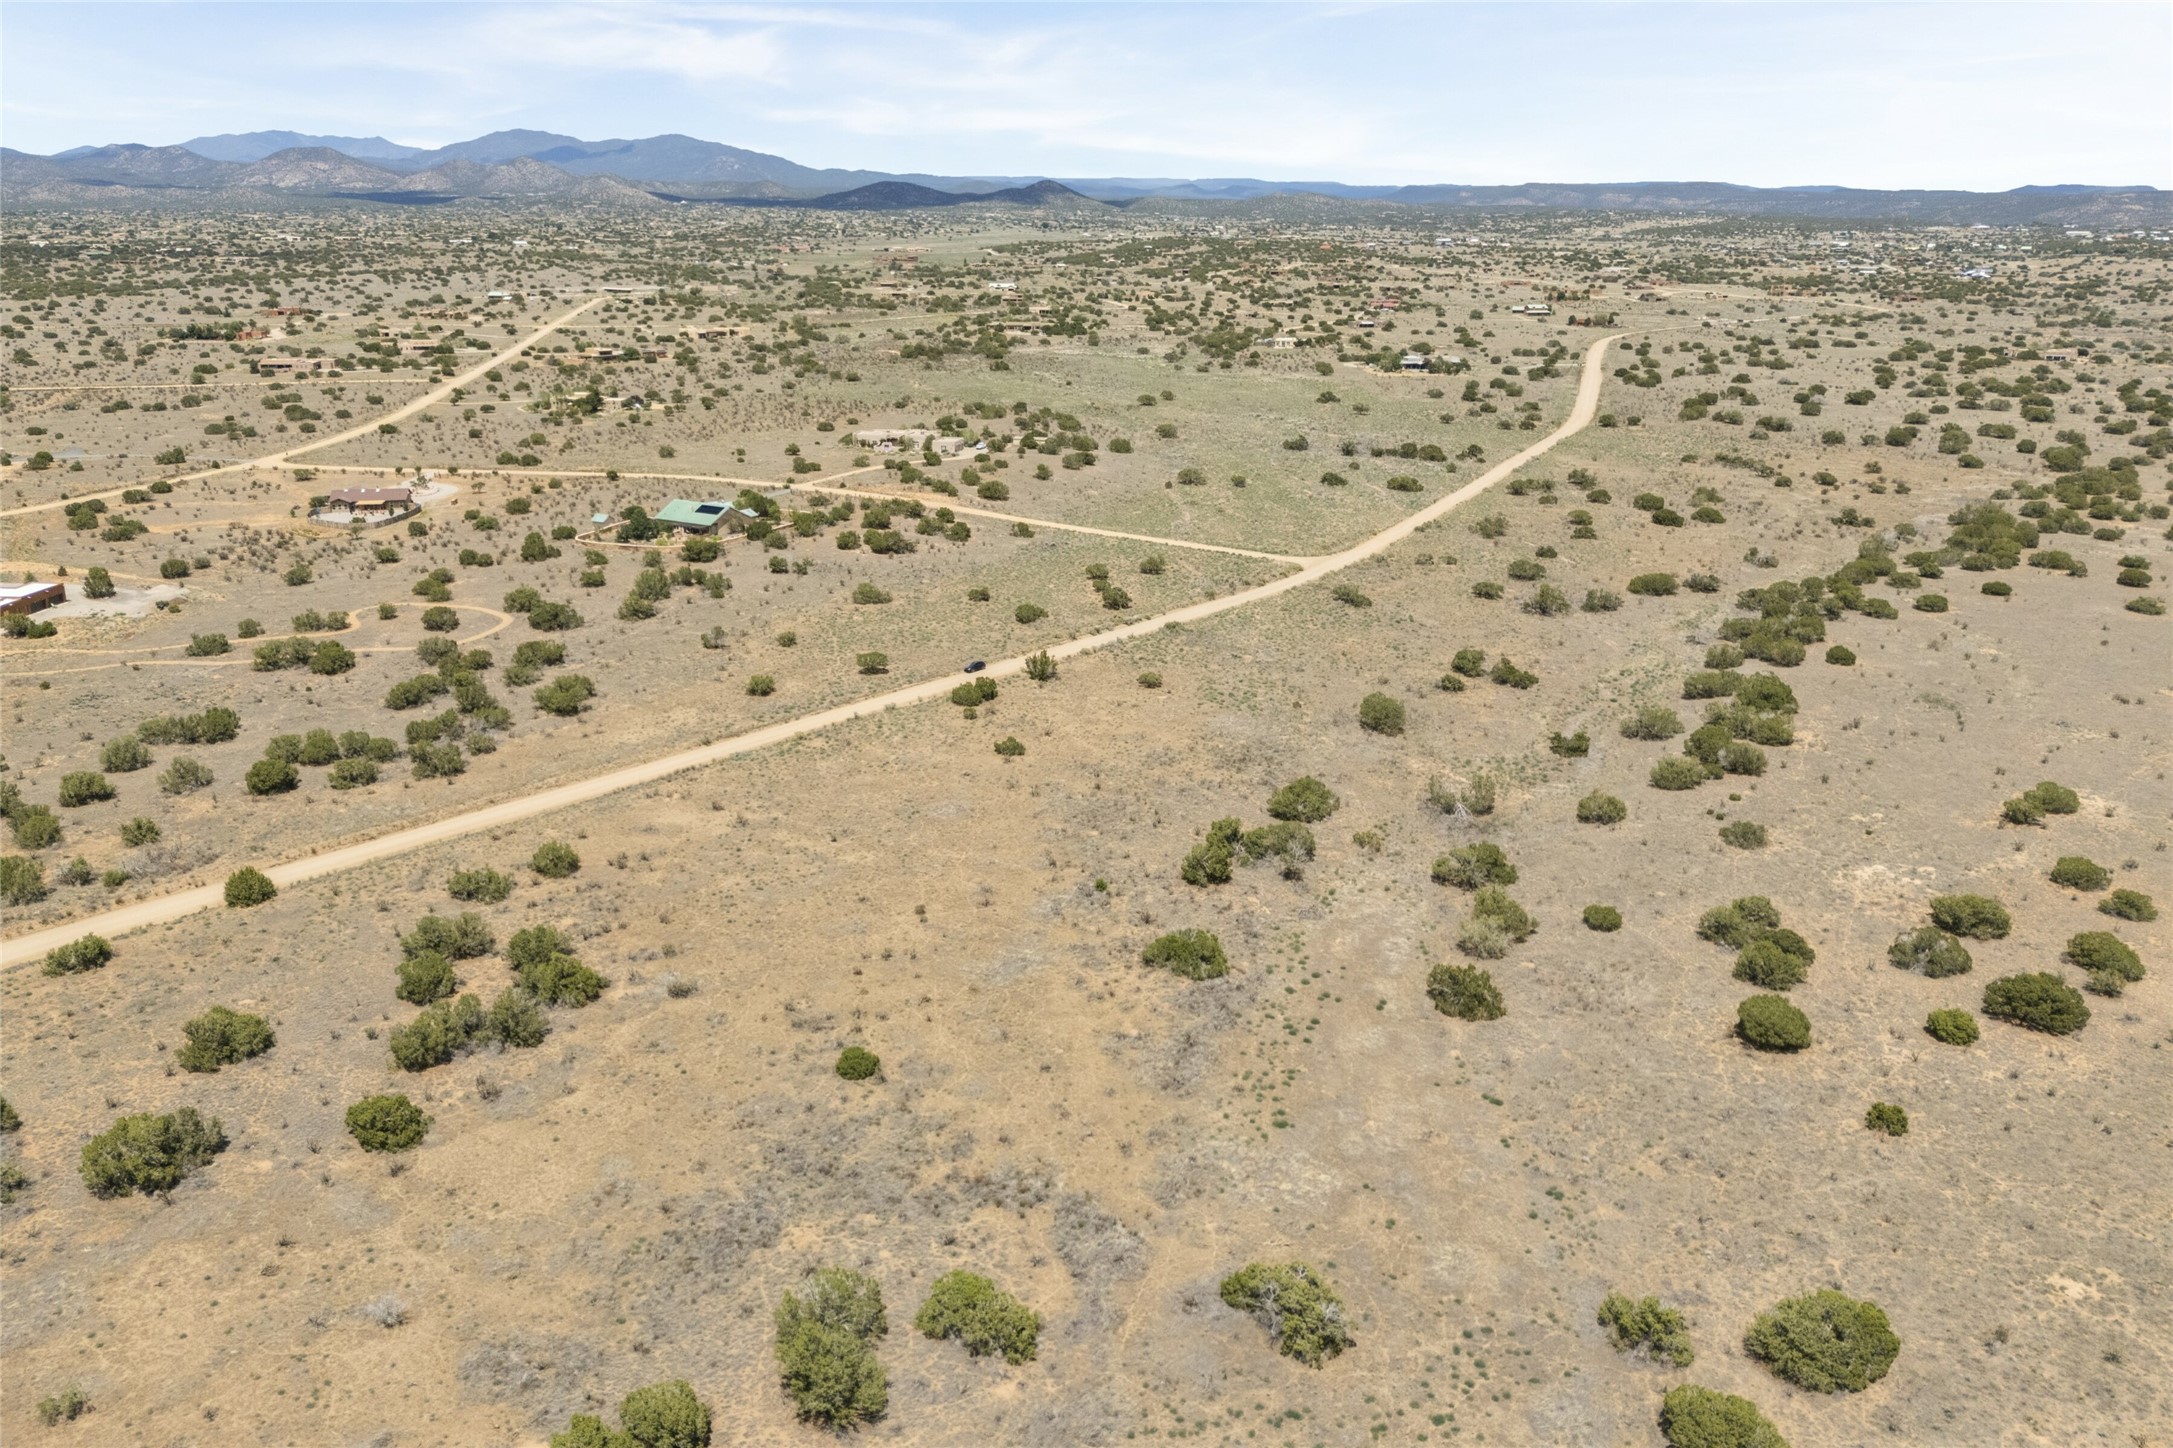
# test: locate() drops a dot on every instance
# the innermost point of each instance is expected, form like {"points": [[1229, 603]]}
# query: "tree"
{"points": [[1824, 1342], [1303, 1316], [426, 977], [222, 1037], [1770, 1023], [149, 1153], [249, 886], [982, 1316], [2039, 1000], [386, 1123], [825, 1347], [272, 776]]}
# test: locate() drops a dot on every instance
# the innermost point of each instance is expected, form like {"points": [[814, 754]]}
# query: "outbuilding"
{"points": [[30, 597]]}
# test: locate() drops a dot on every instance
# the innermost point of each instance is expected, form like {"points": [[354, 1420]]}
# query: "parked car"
{"points": [[976, 666]]}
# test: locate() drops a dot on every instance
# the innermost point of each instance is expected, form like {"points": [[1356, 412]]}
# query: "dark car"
{"points": [[976, 666]]}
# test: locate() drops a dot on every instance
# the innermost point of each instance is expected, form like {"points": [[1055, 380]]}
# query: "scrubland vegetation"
{"points": [[1325, 1020]]}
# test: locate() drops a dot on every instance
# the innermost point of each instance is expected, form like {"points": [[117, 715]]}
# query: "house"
{"points": [[1279, 344], [600, 354], [694, 517], [1003, 286], [1414, 362], [30, 597], [417, 346], [290, 366], [366, 505], [708, 334]]}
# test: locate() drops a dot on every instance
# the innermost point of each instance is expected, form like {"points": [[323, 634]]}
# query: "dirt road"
{"points": [[159, 910], [407, 409]]}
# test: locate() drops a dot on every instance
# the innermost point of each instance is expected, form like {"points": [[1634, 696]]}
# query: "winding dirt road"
{"points": [[407, 409], [160, 910]]}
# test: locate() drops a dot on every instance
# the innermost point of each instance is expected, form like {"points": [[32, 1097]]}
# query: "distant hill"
{"points": [[256, 145], [526, 165]]}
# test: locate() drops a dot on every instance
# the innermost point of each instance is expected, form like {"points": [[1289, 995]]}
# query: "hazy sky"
{"points": [[1981, 96]]}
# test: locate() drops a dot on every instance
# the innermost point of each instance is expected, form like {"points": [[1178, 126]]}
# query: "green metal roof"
{"points": [[682, 514]]}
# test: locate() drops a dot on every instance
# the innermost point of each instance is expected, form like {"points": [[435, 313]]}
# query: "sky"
{"points": [[1970, 96]]}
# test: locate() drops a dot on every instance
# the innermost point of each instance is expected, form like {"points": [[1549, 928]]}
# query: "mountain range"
{"points": [[522, 166]]}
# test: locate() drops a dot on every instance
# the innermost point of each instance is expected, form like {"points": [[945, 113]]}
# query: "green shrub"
{"points": [[1694, 1417], [124, 755], [1743, 835], [386, 1123], [1567, 746], [1302, 1314], [1930, 950], [761, 686], [516, 1018], [88, 952], [22, 880], [1887, 1117], [825, 1347], [1193, 954], [1770, 1023], [426, 977], [1466, 992], [1471, 866], [1509, 676], [35, 827], [2038, 1000], [1952, 1027], [271, 776], [10, 1119], [1644, 1325], [2079, 873], [222, 1037], [1603, 918], [149, 1153], [1653, 585], [560, 979], [464, 937], [554, 860], [1769, 965], [1652, 722], [662, 1415], [565, 695], [2095, 951], [2054, 798], [857, 1064], [1471, 663], [980, 1315], [1824, 1342], [1844, 657], [66, 1406], [1597, 808], [1377, 714], [1305, 800], [1975, 917], [2128, 905], [486, 887], [85, 786], [1677, 774], [249, 886], [442, 1031]]}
